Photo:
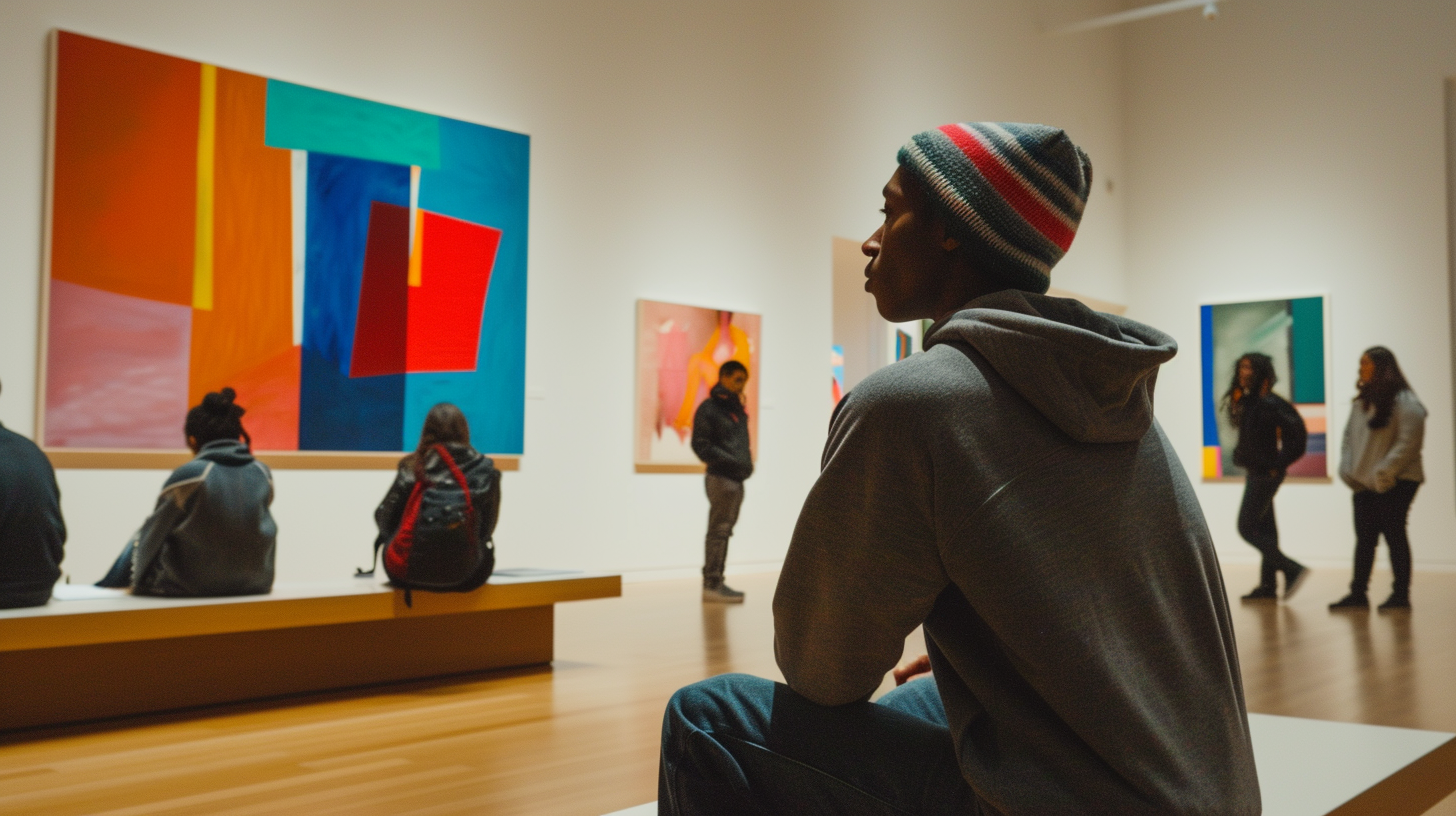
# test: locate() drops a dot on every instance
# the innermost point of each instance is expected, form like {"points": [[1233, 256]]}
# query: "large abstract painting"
{"points": [[679, 350], [1292, 333], [342, 264]]}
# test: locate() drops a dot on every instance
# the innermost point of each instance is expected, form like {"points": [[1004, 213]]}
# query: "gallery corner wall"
{"points": [[700, 153], [1288, 148]]}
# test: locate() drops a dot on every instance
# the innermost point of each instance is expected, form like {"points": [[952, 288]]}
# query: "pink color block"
{"points": [[116, 371]]}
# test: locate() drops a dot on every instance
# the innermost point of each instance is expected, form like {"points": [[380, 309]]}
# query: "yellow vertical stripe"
{"points": [[1212, 462], [417, 250], [206, 161]]}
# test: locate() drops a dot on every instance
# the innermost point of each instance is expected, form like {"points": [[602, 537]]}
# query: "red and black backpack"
{"points": [[439, 546]]}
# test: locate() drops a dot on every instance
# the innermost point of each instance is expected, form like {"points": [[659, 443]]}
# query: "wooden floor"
{"points": [[581, 739]]}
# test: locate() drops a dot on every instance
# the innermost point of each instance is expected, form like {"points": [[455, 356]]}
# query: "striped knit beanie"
{"points": [[1017, 189]]}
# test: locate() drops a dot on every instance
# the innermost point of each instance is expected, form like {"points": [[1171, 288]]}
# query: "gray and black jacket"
{"points": [[211, 533], [720, 435], [32, 532], [1010, 489]]}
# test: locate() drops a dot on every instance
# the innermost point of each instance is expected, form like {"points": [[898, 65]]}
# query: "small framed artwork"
{"points": [[679, 351], [1291, 331]]}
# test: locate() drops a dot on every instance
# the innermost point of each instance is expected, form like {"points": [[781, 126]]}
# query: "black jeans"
{"points": [[725, 496], [1377, 514], [1257, 526]]}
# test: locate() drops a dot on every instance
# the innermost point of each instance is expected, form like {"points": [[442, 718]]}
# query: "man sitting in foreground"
{"points": [[1009, 489]]}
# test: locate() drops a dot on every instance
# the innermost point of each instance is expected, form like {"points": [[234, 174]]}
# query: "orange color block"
{"points": [[125, 169], [250, 323], [269, 393]]}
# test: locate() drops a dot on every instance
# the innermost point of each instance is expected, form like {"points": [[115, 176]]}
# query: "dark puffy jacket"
{"points": [[480, 474], [720, 435], [212, 533], [1271, 434], [31, 529]]}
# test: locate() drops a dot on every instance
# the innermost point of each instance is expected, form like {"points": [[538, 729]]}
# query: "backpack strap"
{"points": [[396, 553], [459, 478]]}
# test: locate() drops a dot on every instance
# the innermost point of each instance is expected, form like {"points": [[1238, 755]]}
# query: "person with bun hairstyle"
{"points": [[1381, 462], [211, 532]]}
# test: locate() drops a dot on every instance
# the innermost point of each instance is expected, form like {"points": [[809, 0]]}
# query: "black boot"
{"points": [[1352, 601]]}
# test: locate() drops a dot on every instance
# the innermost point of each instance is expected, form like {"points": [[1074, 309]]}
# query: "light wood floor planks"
{"points": [[581, 739]]}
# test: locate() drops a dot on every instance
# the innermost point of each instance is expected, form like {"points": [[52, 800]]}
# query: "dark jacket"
{"points": [[720, 435], [31, 529], [1010, 489], [1271, 434], [211, 533], [480, 474]]}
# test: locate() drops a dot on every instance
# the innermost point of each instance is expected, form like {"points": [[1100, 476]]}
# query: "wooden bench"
{"points": [[120, 654]]}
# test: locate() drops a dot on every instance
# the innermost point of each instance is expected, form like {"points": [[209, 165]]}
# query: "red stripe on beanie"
{"points": [[1011, 188]]}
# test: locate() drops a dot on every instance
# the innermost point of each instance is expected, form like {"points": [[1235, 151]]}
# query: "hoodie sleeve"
{"points": [[1293, 437], [172, 507], [863, 569], [1409, 417], [1347, 449]]}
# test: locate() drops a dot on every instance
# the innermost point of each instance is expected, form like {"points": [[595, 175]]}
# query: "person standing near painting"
{"points": [[720, 439], [1381, 462], [1272, 437]]}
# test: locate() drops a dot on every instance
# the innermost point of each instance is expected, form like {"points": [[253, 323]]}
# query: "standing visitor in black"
{"points": [[32, 532], [720, 439], [1271, 438], [1381, 462]]}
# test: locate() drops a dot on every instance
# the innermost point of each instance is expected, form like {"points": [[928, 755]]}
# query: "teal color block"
{"points": [[1307, 349], [300, 118]]}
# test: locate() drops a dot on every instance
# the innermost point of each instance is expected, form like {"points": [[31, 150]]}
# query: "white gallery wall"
{"points": [[1295, 147], [698, 152]]}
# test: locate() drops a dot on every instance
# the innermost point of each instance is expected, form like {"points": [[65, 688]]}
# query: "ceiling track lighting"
{"points": [[1210, 11]]}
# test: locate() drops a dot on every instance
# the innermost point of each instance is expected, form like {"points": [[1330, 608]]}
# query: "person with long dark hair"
{"points": [[211, 532], [1381, 462], [1272, 437], [443, 487]]}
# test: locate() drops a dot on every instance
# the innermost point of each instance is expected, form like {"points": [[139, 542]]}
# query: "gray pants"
{"points": [[725, 496]]}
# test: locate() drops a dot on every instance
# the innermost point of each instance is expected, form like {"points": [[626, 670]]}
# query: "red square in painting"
{"points": [[445, 310]]}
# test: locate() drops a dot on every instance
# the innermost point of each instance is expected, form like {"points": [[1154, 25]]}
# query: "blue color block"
{"points": [[1307, 349], [484, 178], [1210, 405], [300, 118], [340, 413], [337, 412]]}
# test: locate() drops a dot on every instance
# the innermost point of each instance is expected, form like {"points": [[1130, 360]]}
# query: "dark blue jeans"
{"points": [[736, 744]]}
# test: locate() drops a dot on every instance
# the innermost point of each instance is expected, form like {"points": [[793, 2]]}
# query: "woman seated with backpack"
{"points": [[211, 532], [436, 522]]}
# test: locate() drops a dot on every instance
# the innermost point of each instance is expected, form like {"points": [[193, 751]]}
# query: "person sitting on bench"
{"points": [[211, 532], [32, 532]]}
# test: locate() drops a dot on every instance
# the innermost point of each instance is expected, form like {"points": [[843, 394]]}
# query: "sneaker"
{"points": [[1396, 601], [1352, 601], [722, 594], [1294, 580], [1262, 593]]}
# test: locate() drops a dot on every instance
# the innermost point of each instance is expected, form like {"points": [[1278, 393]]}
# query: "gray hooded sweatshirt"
{"points": [[1010, 489]]}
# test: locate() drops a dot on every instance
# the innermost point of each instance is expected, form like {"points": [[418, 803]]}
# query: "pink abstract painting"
{"points": [[679, 351]]}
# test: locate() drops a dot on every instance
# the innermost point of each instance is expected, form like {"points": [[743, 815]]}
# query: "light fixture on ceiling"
{"points": [[1210, 11]]}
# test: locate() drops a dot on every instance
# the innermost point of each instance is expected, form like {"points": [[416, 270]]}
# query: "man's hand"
{"points": [[911, 669]]}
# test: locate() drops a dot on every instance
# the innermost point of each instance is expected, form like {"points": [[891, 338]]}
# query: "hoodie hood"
{"points": [[1092, 374], [230, 452]]}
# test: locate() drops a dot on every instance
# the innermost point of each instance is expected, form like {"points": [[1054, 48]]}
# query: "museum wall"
{"points": [[702, 153], [1296, 148]]}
